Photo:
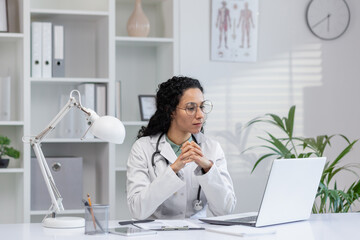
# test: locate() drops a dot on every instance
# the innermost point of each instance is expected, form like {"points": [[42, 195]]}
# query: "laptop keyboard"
{"points": [[244, 219]]}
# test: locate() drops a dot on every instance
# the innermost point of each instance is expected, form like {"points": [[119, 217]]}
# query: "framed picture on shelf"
{"points": [[147, 106], [4, 24]]}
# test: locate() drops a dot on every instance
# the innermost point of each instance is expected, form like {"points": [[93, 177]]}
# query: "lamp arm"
{"points": [[35, 142], [71, 103], [54, 193]]}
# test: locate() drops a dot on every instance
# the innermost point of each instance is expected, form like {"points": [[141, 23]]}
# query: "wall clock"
{"points": [[328, 19]]}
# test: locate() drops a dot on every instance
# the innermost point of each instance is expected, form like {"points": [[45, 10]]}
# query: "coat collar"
{"points": [[165, 148], [200, 138]]}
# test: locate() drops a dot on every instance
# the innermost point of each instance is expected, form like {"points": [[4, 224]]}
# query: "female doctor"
{"points": [[174, 171]]}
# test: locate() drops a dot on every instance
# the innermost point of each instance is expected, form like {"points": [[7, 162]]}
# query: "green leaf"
{"points": [[11, 152], [332, 174], [356, 187], [290, 121], [305, 155], [277, 121], [284, 151], [343, 153], [6, 150], [253, 121], [346, 139], [260, 160], [4, 140]]}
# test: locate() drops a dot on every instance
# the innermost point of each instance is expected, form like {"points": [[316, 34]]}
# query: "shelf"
{"points": [[70, 211], [142, 41], [134, 123], [120, 169], [147, 2], [73, 140], [72, 14], [11, 123], [11, 37], [69, 80], [11, 170]]}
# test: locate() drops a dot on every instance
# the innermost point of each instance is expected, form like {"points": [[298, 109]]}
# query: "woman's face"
{"points": [[184, 122]]}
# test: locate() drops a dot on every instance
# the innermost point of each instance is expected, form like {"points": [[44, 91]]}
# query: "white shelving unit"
{"points": [[97, 50], [13, 178], [87, 40], [140, 65]]}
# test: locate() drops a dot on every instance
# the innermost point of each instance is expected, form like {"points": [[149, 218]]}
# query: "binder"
{"points": [[46, 49], [58, 69], [4, 20], [100, 99], [5, 91], [118, 99], [66, 127], [36, 49], [87, 91]]}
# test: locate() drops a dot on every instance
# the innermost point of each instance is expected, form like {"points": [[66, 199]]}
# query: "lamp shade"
{"points": [[108, 128]]}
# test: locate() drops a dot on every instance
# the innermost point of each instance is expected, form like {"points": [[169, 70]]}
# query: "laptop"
{"points": [[289, 194]]}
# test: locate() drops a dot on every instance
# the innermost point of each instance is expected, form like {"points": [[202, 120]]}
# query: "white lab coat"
{"points": [[170, 195]]}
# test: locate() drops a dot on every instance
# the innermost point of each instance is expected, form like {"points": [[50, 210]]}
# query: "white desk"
{"points": [[319, 227]]}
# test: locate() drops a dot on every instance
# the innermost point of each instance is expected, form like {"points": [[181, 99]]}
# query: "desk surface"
{"points": [[318, 227]]}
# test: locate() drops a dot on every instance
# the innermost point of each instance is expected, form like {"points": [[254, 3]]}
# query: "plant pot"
{"points": [[4, 163]]}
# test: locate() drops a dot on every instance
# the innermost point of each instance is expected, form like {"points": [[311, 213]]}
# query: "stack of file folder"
{"points": [[47, 50]]}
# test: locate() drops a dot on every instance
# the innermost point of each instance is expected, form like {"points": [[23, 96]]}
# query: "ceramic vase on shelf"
{"points": [[138, 24]]}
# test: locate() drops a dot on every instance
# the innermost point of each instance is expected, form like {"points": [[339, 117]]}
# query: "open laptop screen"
{"points": [[289, 194]]}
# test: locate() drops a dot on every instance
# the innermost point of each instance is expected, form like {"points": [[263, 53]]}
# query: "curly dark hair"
{"points": [[167, 98]]}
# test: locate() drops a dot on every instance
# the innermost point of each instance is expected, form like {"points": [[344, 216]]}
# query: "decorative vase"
{"points": [[4, 163], [138, 24]]}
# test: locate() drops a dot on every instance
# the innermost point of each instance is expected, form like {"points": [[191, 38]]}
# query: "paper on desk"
{"points": [[158, 224], [241, 231]]}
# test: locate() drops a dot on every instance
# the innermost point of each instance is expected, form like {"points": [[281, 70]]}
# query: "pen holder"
{"points": [[97, 219]]}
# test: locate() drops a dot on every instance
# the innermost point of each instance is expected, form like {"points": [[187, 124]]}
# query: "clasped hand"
{"points": [[191, 152]]}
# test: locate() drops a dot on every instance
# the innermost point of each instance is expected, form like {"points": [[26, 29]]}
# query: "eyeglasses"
{"points": [[191, 107]]}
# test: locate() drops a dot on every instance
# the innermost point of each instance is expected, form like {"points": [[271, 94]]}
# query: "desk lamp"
{"points": [[106, 128]]}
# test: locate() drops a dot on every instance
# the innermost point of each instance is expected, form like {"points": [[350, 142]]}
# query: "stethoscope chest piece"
{"points": [[198, 205]]}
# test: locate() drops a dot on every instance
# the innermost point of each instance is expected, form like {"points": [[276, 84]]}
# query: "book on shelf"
{"points": [[66, 127], [100, 99], [87, 91], [5, 100], [4, 22], [118, 99]]}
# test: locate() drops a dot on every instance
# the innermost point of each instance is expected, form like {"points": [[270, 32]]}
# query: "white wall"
{"points": [[293, 67]]}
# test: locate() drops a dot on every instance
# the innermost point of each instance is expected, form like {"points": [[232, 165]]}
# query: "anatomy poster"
{"points": [[234, 30]]}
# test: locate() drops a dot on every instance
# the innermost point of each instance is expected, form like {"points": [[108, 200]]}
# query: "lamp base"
{"points": [[64, 222]]}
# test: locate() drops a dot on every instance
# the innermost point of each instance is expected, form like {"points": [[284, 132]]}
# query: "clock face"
{"points": [[328, 19]]}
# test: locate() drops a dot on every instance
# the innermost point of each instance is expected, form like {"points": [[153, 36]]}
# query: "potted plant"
{"points": [[6, 150], [329, 198]]}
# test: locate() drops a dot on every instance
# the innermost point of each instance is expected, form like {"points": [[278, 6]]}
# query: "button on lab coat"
{"points": [[158, 192]]}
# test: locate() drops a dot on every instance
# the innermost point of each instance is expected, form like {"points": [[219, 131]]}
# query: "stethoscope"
{"points": [[197, 205]]}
